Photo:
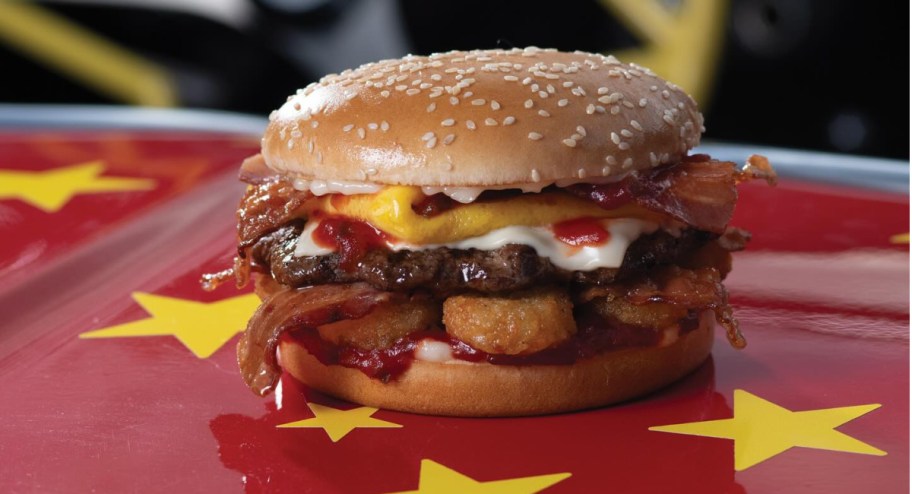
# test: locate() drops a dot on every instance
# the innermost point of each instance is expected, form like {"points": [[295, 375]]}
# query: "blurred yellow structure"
{"points": [[78, 53], [681, 39]]}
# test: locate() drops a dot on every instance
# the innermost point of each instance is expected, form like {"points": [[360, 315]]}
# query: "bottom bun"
{"points": [[467, 389]]}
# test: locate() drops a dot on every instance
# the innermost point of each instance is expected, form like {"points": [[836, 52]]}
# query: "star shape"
{"points": [[438, 479], [762, 429], [50, 190], [338, 423], [202, 327]]}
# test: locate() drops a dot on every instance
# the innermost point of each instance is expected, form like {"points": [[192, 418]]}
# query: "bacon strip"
{"points": [[698, 191], [302, 308]]}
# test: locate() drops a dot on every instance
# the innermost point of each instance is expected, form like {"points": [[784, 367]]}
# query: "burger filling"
{"points": [[374, 277]]}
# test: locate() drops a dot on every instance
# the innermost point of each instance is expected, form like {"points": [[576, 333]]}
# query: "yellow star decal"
{"points": [[438, 479], [762, 429], [338, 423], [50, 190], [202, 327], [900, 238]]}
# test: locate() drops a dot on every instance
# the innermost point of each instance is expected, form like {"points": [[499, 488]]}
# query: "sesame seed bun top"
{"points": [[483, 118]]}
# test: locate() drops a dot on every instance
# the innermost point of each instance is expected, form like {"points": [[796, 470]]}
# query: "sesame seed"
{"points": [[653, 159], [348, 127], [384, 126], [427, 136], [478, 102], [534, 87], [535, 136], [550, 89], [509, 121], [626, 133], [581, 90], [454, 100], [425, 85], [606, 170], [448, 122], [314, 124], [296, 133], [615, 110], [590, 109], [643, 102], [401, 87], [310, 146], [511, 78], [290, 144], [319, 157], [623, 146], [581, 130], [603, 90], [615, 138], [432, 107], [361, 132], [567, 84], [667, 118], [569, 142], [470, 124], [666, 94], [528, 103], [431, 142], [490, 122], [535, 175], [605, 99], [412, 92], [495, 105], [610, 160], [526, 81], [542, 94], [467, 94], [636, 125], [628, 163], [581, 173], [385, 93], [449, 139], [544, 113], [653, 88], [562, 102], [627, 104]]}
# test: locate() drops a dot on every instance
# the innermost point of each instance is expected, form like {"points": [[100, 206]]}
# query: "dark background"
{"points": [[828, 75]]}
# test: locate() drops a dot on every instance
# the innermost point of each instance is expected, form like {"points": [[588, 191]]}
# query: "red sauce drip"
{"points": [[595, 335], [350, 238], [581, 232]]}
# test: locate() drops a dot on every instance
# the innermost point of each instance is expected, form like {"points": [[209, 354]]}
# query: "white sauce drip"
{"points": [[464, 195], [608, 255], [433, 351], [323, 187]]}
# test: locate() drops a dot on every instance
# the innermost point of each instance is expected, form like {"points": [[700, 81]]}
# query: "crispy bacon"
{"points": [[290, 309], [266, 207], [698, 192]]}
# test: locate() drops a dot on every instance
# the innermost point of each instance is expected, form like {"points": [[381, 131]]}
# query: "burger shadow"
{"points": [[616, 450], [273, 459]]}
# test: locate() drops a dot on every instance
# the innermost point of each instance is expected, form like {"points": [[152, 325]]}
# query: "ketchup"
{"points": [[581, 232], [595, 335], [352, 239]]}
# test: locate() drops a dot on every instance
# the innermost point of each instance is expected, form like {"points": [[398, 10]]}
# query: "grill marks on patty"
{"points": [[443, 271]]}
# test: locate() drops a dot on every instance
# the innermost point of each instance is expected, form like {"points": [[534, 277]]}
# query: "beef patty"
{"points": [[443, 271]]}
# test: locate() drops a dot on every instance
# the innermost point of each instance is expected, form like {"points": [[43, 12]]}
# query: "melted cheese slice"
{"points": [[390, 210]]}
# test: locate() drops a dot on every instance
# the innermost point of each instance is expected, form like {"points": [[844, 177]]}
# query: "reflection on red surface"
{"points": [[821, 292], [387, 460]]}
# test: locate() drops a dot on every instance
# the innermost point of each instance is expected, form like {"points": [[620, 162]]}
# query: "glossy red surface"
{"points": [[822, 294]]}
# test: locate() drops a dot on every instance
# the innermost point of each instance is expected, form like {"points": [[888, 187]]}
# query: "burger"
{"points": [[486, 233]]}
